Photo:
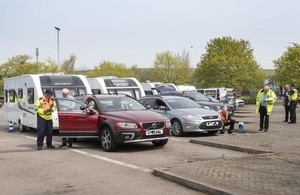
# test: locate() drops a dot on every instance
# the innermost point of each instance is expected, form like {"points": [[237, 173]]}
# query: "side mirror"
{"points": [[82, 107], [90, 111]]}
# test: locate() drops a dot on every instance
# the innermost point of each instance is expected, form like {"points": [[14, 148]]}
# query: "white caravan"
{"points": [[114, 85], [149, 87], [21, 92]]}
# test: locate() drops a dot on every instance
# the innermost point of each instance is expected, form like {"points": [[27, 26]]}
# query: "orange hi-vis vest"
{"points": [[44, 107]]}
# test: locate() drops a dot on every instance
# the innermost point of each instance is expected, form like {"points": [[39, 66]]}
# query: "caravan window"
{"points": [[30, 95], [96, 91], [12, 95], [119, 83], [20, 93]]}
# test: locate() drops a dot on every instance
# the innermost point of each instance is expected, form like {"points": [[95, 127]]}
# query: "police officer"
{"points": [[265, 100], [45, 106], [293, 96]]}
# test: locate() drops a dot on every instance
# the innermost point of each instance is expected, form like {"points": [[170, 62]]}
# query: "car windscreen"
{"points": [[181, 103], [119, 104], [198, 97]]}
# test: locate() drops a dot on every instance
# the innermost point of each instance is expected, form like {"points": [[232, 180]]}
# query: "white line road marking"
{"points": [[112, 161], [106, 159]]}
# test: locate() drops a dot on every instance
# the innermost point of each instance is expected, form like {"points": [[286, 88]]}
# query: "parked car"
{"points": [[185, 114], [114, 119], [207, 103], [230, 107], [237, 102]]}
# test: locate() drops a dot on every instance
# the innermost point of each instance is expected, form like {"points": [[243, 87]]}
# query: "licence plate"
{"points": [[212, 124], [154, 132]]}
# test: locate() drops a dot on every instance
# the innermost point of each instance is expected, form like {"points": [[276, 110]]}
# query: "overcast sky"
{"points": [[134, 31]]}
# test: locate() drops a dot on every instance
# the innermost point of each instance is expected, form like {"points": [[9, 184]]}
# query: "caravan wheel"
{"points": [[22, 128]]}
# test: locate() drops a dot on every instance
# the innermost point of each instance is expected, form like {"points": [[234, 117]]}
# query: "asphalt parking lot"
{"points": [[248, 162]]}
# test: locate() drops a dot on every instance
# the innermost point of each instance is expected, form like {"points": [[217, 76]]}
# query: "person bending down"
{"points": [[227, 120]]}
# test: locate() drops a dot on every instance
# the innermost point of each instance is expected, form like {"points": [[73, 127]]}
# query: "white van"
{"points": [[114, 85], [189, 88], [21, 92]]}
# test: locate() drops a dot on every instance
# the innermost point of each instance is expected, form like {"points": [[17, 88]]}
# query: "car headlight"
{"points": [[168, 123], [190, 117], [127, 125]]}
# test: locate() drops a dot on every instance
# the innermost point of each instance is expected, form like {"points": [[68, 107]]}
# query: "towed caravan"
{"points": [[21, 92], [114, 85]]}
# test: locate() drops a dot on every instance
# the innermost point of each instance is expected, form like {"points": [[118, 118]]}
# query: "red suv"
{"points": [[114, 119]]}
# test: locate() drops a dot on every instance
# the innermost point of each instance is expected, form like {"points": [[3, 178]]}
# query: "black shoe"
{"points": [[62, 145], [70, 145], [51, 146], [284, 121], [222, 131], [291, 122], [266, 130], [260, 129], [40, 148]]}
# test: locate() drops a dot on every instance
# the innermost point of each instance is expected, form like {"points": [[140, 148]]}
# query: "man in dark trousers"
{"points": [[293, 98], [66, 94], [265, 100], [45, 106], [286, 103]]}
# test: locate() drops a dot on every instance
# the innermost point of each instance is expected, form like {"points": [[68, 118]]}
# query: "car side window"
{"points": [[157, 104], [68, 105]]}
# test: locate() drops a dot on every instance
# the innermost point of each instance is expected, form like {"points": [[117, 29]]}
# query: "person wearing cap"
{"points": [[44, 107], [66, 94], [265, 100]]}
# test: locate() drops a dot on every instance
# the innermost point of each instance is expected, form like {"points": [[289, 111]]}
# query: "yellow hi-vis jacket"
{"points": [[45, 107], [294, 95], [270, 100]]}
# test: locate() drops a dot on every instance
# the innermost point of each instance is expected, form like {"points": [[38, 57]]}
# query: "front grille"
{"points": [[210, 117], [154, 125]]}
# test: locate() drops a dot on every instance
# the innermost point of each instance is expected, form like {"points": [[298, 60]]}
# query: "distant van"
{"points": [[219, 93], [189, 88]]}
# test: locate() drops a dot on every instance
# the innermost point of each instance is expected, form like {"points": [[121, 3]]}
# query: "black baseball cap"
{"points": [[48, 91]]}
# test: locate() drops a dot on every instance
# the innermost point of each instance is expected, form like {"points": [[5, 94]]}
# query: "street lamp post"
{"points": [[58, 29]]}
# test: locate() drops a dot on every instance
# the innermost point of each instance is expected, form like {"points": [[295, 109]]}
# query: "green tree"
{"points": [[171, 68], [68, 66], [107, 68], [287, 66], [20, 65], [228, 62]]}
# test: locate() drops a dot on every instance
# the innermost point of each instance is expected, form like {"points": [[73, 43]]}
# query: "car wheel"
{"points": [[160, 142], [107, 141], [22, 128], [177, 129]]}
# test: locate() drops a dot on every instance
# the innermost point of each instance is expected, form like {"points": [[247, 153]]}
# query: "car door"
{"points": [[75, 119]]}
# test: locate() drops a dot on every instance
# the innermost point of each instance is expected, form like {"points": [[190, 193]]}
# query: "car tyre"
{"points": [[22, 128], [160, 142], [107, 141], [177, 129]]}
